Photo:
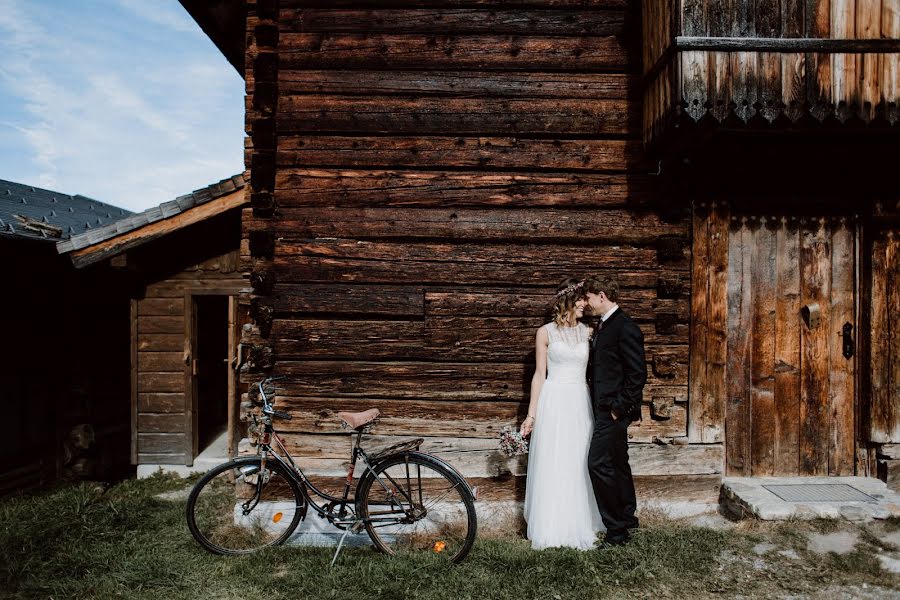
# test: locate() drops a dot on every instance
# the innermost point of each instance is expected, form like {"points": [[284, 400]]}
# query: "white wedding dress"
{"points": [[559, 501]]}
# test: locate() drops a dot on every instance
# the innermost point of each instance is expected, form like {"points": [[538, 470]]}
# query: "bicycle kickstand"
{"points": [[354, 528]]}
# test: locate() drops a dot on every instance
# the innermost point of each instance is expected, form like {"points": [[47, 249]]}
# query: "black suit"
{"points": [[617, 373]]}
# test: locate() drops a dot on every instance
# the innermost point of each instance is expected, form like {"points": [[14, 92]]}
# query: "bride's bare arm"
{"points": [[541, 341]]}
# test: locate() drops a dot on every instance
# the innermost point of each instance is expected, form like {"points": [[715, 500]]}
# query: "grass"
{"points": [[86, 542]]}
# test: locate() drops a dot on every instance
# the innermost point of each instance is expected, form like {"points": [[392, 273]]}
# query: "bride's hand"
{"points": [[527, 426]]}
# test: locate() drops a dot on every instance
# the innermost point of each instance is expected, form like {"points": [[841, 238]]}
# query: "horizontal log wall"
{"points": [[162, 422], [439, 167]]}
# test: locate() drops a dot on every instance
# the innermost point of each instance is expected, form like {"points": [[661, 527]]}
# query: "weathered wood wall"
{"points": [[885, 337], [814, 19], [774, 242], [437, 168], [659, 20], [770, 63], [201, 257], [763, 88]]}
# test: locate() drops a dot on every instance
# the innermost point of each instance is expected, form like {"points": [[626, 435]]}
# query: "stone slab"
{"points": [[748, 497]]}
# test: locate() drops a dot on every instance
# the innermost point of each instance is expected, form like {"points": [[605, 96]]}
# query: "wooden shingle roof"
{"points": [[34, 213], [95, 245], [151, 215]]}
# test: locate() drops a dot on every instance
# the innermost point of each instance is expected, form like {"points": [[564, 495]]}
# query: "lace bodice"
{"points": [[567, 352]]}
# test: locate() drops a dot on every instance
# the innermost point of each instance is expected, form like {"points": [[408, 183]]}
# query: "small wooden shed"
{"points": [[179, 264], [63, 372]]}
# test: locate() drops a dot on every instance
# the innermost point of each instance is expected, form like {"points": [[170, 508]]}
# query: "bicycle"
{"points": [[409, 502]]}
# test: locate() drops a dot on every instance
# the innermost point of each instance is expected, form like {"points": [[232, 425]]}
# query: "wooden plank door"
{"points": [[790, 397]]}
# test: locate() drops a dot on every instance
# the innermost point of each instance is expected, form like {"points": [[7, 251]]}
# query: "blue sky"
{"points": [[125, 101]]}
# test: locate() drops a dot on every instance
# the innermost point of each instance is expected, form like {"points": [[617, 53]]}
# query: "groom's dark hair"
{"points": [[602, 283]]}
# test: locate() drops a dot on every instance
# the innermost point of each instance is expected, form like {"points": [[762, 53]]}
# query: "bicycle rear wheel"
{"points": [[239, 507], [413, 504]]}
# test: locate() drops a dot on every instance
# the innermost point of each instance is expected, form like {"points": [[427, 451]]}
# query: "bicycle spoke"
{"points": [[437, 512], [235, 509], [397, 487], [439, 498]]}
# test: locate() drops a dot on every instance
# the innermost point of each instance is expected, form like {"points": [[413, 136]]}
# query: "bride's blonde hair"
{"points": [[568, 292]]}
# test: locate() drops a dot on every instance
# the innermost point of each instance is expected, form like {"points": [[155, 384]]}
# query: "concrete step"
{"points": [[782, 498]]}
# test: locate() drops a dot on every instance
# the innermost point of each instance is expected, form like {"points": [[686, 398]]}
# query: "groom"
{"points": [[617, 374]]}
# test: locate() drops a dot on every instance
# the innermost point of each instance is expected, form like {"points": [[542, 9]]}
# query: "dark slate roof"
{"points": [[34, 213], [157, 213]]}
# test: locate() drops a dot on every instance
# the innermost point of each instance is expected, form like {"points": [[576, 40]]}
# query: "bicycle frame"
{"points": [[267, 452], [340, 519]]}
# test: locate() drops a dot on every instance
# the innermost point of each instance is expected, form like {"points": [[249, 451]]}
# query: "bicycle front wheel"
{"points": [[240, 507], [413, 504]]}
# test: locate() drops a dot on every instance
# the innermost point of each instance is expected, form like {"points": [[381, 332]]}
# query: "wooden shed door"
{"points": [[790, 390], [213, 397]]}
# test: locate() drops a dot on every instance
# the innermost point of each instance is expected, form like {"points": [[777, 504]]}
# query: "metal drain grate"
{"points": [[819, 492]]}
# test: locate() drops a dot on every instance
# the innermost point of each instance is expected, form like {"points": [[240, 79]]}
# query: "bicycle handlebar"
{"points": [[267, 408]]}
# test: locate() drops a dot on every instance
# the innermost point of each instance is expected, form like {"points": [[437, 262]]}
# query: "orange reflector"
{"points": [[439, 546], [277, 517]]}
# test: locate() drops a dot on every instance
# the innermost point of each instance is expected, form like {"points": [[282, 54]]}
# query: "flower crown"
{"points": [[570, 289]]}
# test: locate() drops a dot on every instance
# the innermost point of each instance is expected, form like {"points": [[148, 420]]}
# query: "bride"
{"points": [[559, 501]]}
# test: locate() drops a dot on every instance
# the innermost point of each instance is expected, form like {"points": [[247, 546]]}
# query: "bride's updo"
{"points": [[568, 292]]}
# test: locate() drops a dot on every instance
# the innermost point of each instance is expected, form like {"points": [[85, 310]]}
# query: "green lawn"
{"points": [[83, 542]]}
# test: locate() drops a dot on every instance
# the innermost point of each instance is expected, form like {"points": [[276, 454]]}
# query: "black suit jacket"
{"points": [[617, 370]]}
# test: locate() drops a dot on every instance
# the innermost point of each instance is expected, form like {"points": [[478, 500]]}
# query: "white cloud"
{"points": [[160, 12], [104, 112], [109, 89]]}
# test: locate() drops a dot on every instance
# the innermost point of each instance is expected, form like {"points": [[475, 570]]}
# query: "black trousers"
{"points": [[611, 474]]}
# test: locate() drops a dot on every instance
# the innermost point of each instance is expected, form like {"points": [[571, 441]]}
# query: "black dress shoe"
{"points": [[615, 540]]}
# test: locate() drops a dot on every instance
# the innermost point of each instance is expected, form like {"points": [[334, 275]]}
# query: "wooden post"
{"points": [[234, 336], [134, 381], [713, 427], [699, 320], [190, 382]]}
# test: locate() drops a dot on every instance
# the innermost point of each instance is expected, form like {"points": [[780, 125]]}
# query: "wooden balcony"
{"points": [[770, 64]]}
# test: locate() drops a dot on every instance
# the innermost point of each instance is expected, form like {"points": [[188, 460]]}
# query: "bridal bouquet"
{"points": [[512, 443]]}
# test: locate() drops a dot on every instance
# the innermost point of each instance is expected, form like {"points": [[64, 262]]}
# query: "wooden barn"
{"points": [[422, 174], [63, 373], [178, 263], [779, 126]]}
